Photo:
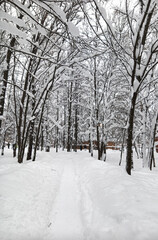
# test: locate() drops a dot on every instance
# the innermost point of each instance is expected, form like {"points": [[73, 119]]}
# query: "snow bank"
{"points": [[118, 206], [26, 197]]}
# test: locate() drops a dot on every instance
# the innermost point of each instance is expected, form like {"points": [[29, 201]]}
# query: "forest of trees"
{"points": [[76, 71]]}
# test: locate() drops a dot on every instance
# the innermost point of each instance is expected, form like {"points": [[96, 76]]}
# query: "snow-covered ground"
{"points": [[71, 196]]}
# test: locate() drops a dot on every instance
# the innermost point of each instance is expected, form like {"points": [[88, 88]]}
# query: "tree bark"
{"points": [[151, 151], [76, 129], [69, 119], [29, 153], [122, 147], [5, 80], [129, 157], [64, 134]]}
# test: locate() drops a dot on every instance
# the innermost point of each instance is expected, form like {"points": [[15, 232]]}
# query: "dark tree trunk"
{"points": [[98, 135], [57, 119], [152, 159], [2, 152], [64, 134], [20, 154], [3, 144], [89, 143], [14, 149], [98, 144], [96, 108], [151, 154], [29, 153], [5, 81], [69, 119], [104, 152], [47, 149], [31, 137], [129, 157], [57, 138], [102, 147], [21, 122], [42, 138], [76, 130], [69, 133]]}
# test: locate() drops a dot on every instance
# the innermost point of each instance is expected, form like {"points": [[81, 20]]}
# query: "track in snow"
{"points": [[66, 223]]}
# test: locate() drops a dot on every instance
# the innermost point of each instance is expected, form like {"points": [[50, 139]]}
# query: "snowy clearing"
{"points": [[71, 196]]}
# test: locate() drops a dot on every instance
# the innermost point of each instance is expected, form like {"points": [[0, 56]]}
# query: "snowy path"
{"points": [[65, 222], [71, 196]]}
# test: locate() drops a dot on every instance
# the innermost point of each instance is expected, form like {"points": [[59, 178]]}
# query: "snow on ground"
{"points": [[26, 197], [71, 196]]}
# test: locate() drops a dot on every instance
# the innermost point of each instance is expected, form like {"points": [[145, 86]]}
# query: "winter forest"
{"points": [[78, 84]]}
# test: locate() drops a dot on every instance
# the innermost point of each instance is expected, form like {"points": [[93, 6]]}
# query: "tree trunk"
{"points": [[98, 143], [102, 150], [57, 119], [91, 130], [122, 147], [57, 138], [5, 81], [144, 137], [42, 138], [64, 134], [14, 149], [29, 153], [98, 135], [37, 132], [129, 157], [41, 117], [151, 150], [103, 145], [69, 119], [76, 130]]}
